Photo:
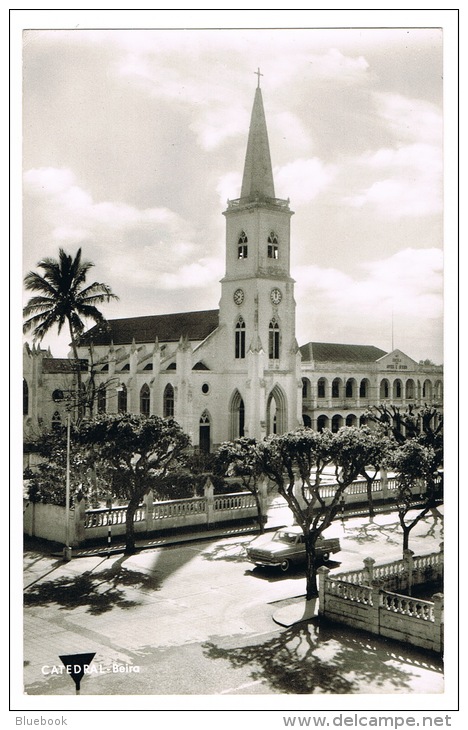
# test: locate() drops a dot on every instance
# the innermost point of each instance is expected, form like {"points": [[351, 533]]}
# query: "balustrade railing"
{"points": [[166, 510], [114, 516], [240, 500], [407, 606], [350, 591]]}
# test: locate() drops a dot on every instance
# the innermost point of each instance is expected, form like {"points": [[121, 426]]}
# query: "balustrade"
{"points": [[236, 501], [407, 606]]}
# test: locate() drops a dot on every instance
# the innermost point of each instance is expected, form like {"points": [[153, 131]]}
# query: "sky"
{"points": [[133, 140]]}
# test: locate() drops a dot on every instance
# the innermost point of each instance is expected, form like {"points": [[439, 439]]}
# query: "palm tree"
{"points": [[63, 299]]}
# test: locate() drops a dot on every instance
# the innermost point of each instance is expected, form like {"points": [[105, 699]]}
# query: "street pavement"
{"points": [[194, 617]]}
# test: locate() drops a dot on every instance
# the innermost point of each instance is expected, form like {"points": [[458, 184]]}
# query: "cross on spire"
{"points": [[258, 74]]}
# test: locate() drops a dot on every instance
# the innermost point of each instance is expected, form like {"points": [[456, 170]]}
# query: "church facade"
{"points": [[238, 370]]}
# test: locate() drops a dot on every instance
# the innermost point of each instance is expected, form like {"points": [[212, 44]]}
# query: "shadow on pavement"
{"points": [[315, 657], [99, 592]]}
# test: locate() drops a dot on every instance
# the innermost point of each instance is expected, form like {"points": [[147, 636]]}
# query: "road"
{"points": [[196, 619]]}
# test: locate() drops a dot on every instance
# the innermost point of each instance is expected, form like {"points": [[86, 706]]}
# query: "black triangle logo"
{"points": [[76, 664]]}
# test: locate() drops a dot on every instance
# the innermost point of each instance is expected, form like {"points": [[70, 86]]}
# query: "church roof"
{"points": [[56, 365], [257, 181], [331, 352], [164, 327]]}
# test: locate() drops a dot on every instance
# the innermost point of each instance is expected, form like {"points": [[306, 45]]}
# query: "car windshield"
{"points": [[284, 536]]}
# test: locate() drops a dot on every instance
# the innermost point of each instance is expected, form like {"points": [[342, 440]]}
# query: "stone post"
{"points": [[148, 502], [209, 497], [384, 483], [408, 558], [373, 623], [78, 529], [438, 638], [369, 568], [322, 573]]}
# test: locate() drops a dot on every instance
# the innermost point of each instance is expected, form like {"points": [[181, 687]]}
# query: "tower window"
{"points": [[240, 339], [272, 246], [274, 340], [242, 246]]}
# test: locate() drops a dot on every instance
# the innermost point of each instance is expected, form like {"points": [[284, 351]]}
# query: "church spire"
{"points": [[257, 182]]}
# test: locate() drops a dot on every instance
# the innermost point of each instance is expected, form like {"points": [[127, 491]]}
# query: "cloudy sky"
{"points": [[133, 140]]}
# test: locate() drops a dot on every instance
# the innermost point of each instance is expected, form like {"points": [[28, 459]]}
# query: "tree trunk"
{"points": [[311, 574], [130, 526], [260, 517], [369, 498]]}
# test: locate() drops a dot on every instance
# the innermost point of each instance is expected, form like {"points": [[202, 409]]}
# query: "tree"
{"points": [[378, 456], [63, 299], [241, 459], [414, 463], [47, 481], [296, 462], [135, 452], [418, 458]]}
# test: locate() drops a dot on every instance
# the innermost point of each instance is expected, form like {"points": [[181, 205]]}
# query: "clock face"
{"points": [[238, 296], [276, 296]]}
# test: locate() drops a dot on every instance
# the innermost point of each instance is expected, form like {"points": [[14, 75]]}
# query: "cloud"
{"points": [[73, 215], [335, 64], [303, 179], [333, 306], [410, 118], [412, 185]]}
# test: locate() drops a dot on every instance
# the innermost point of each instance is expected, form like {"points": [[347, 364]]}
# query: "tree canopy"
{"points": [[135, 452]]}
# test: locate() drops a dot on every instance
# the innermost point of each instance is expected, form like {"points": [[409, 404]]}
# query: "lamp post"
{"points": [[67, 549]]}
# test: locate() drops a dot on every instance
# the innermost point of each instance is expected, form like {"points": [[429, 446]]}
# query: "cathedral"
{"points": [[237, 370]]}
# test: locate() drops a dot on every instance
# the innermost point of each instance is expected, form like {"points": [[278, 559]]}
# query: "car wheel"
{"points": [[325, 557], [285, 565]]}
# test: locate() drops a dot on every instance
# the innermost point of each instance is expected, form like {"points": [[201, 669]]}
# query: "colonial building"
{"points": [[237, 370]]}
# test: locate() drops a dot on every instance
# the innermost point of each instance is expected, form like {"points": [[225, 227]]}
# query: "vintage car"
{"points": [[286, 548]]}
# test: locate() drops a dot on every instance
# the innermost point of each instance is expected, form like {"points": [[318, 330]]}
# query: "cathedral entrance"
{"points": [[237, 414], [276, 413]]}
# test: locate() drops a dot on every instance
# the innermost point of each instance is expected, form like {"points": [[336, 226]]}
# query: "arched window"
{"points": [[274, 340], [101, 399], [205, 432], [397, 389], [168, 401], [364, 388], [25, 398], [306, 420], [322, 422], [337, 422], [305, 388], [145, 400], [272, 246], [410, 389], [242, 246], [351, 420], [56, 421], [384, 388], [122, 399], [350, 388], [321, 385], [427, 389], [240, 339], [336, 384]]}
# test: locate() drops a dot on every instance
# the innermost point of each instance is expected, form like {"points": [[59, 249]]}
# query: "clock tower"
{"points": [[257, 307]]}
